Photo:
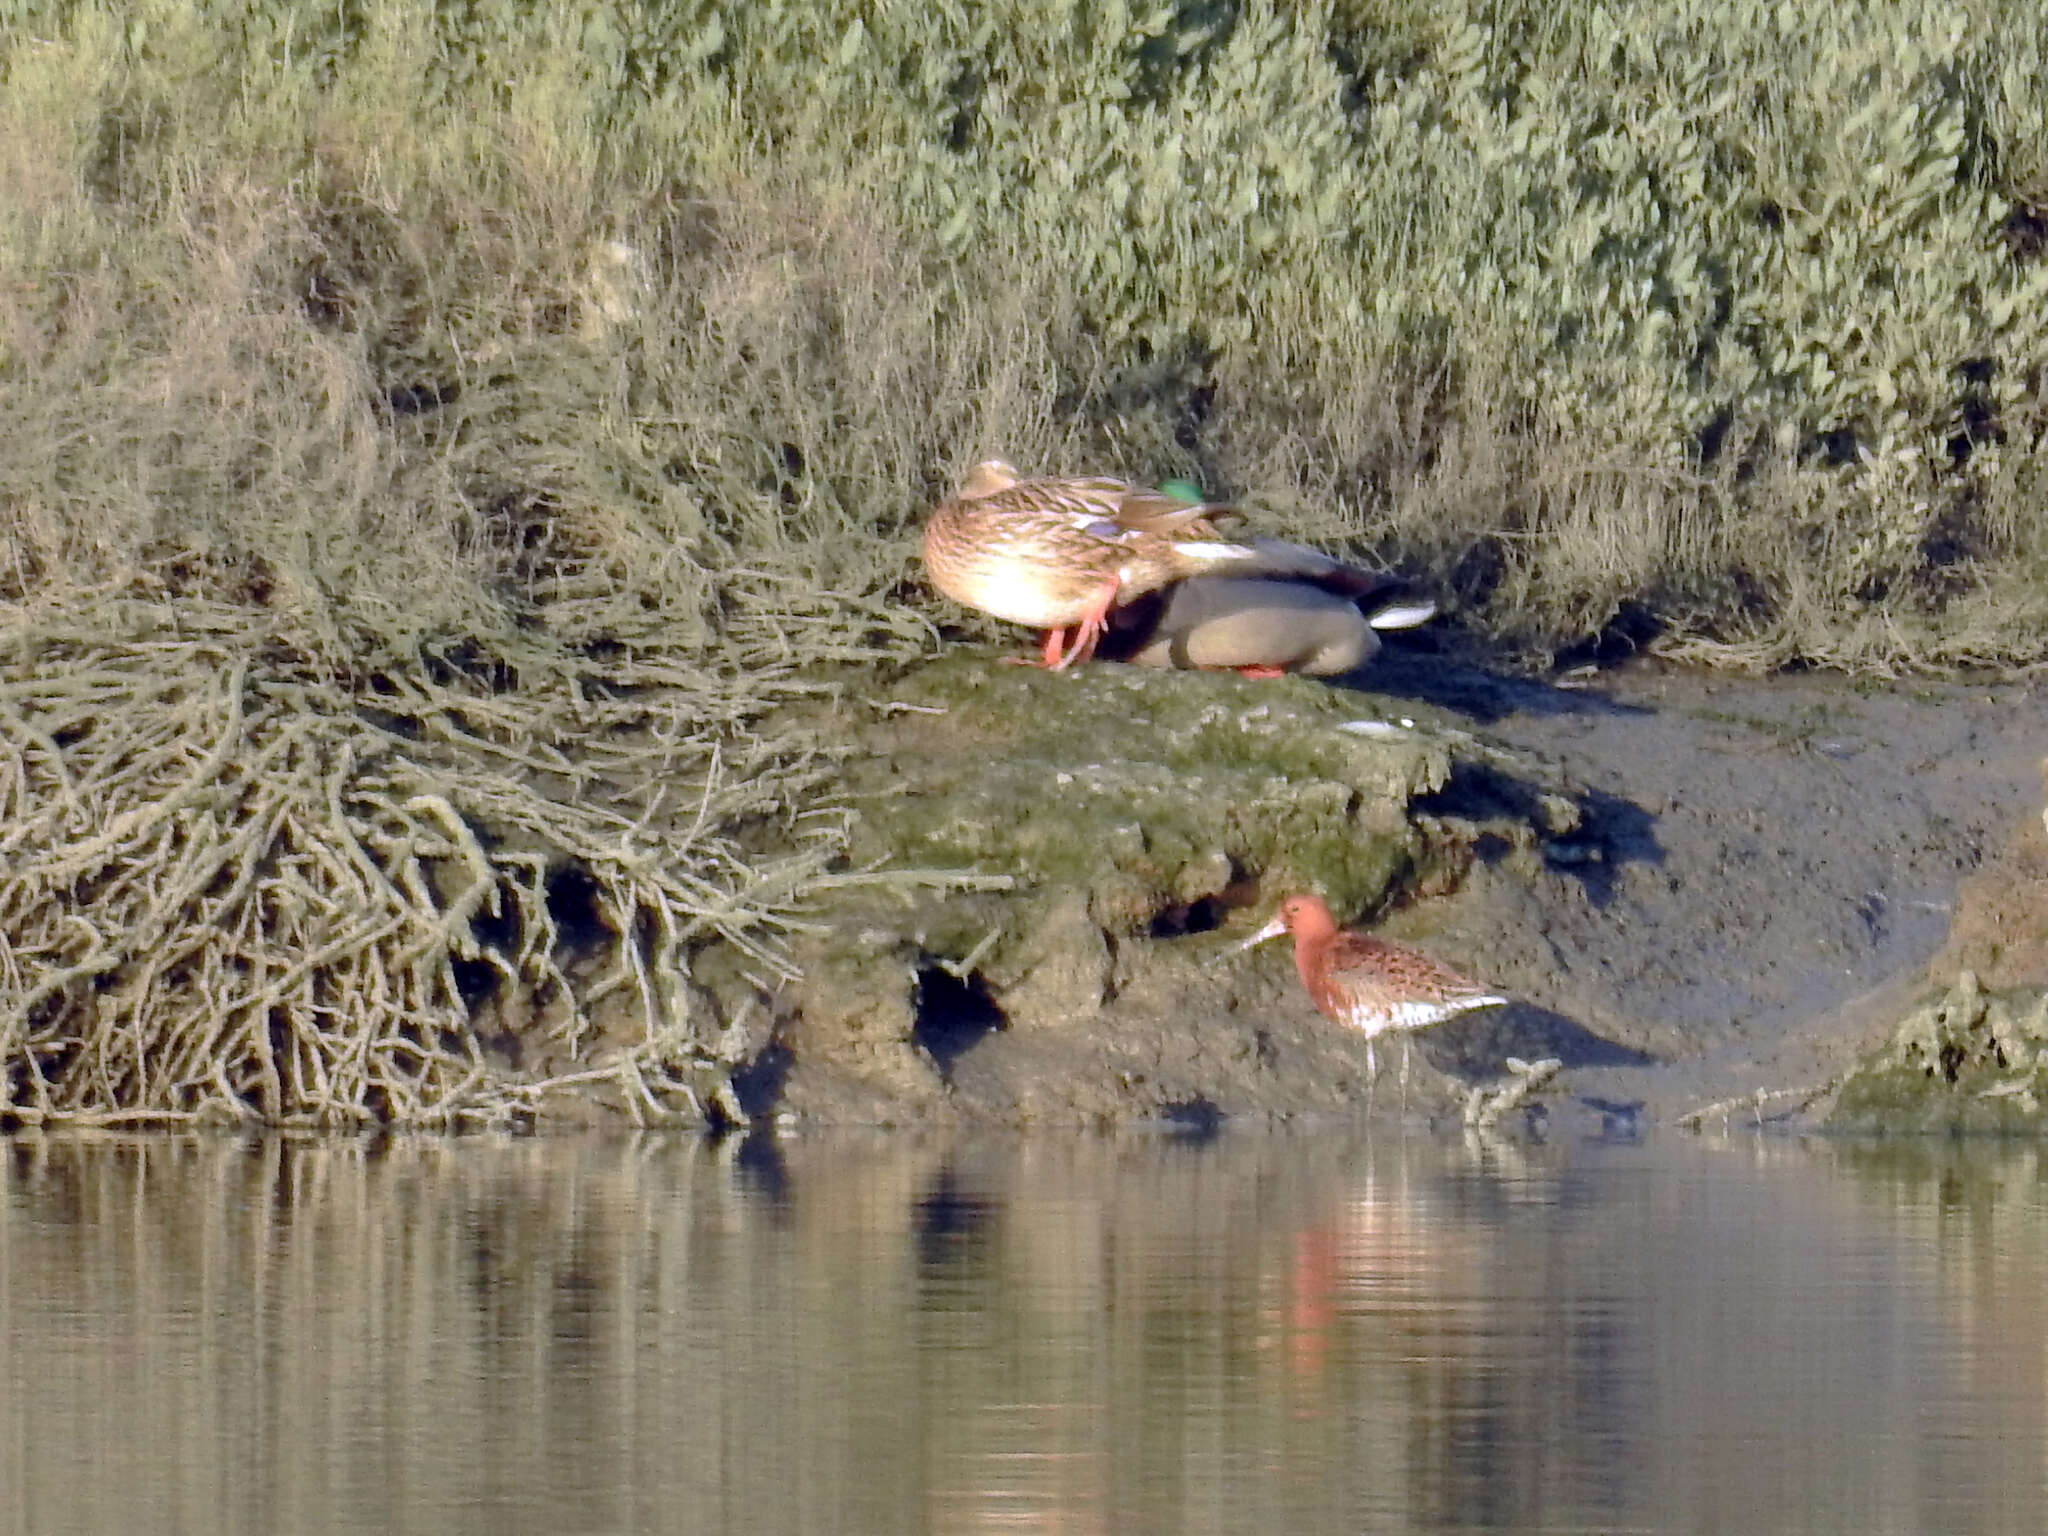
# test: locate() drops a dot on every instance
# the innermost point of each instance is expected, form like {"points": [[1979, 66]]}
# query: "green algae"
{"points": [[1150, 791], [1966, 1060], [1067, 821]]}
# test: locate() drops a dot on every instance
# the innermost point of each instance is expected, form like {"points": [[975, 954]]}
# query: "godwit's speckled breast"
{"points": [[1375, 985]]}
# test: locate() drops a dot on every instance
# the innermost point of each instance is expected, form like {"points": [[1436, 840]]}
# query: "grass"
{"points": [[484, 376]]}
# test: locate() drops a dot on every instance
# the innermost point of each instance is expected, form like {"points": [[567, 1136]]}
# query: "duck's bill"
{"points": [[1402, 615]]}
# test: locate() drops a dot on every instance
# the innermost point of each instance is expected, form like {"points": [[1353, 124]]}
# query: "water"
{"points": [[1272, 1334]]}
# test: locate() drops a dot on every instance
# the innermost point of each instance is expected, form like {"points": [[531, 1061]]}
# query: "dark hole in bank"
{"points": [[497, 930], [2025, 231], [1198, 1118], [467, 661], [758, 1084], [572, 897], [1194, 412], [1478, 571], [954, 1014], [278, 1027], [1491, 848], [478, 980], [1952, 1057], [1625, 635], [475, 980], [418, 399], [1205, 915]]}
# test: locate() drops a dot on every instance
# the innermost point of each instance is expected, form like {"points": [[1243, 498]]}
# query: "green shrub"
{"points": [[1733, 311]]}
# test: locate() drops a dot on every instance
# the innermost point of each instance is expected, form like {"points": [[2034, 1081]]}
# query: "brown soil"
{"points": [[1760, 874], [2001, 924], [1785, 858]]}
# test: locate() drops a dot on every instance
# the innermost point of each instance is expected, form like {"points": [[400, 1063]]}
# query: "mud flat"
{"points": [[1705, 892]]}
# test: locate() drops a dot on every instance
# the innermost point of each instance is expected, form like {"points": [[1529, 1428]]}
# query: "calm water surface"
{"points": [[1255, 1333]]}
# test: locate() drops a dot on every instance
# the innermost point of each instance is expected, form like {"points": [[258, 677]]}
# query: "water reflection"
{"points": [[894, 1333]]}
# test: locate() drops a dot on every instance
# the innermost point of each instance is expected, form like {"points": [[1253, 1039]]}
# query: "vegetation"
{"points": [[446, 432], [1964, 1060]]}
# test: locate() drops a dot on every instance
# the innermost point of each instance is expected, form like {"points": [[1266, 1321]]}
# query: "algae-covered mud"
{"points": [[1704, 894], [1125, 819], [1963, 1061], [1972, 1054]]}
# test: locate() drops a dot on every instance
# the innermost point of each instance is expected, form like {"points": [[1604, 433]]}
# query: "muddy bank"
{"points": [[1695, 887], [960, 890], [1789, 856], [1120, 825]]}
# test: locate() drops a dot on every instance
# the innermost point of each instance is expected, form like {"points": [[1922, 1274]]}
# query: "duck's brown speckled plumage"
{"points": [[1058, 551]]}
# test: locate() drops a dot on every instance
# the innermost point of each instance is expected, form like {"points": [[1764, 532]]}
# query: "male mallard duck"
{"points": [[1265, 624], [1291, 609], [1059, 551]]}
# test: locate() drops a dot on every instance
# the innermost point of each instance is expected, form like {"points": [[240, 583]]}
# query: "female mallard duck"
{"points": [[1057, 551]]}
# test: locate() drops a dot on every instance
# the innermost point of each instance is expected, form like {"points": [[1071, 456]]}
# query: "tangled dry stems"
{"points": [[236, 887]]}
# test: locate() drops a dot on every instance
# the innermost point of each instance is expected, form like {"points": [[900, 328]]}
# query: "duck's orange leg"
{"points": [[1089, 630], [1261, 672], [1049, 658]]}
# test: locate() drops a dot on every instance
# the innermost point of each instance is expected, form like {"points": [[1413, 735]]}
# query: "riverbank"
{"points": [[1746, 898], [1021, 907], [453, 467]]}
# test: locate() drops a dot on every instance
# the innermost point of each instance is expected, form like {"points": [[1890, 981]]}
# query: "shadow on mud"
{"points": [[1476, 1045], [1619, 832], [1590, 846], [1406, 672]]}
